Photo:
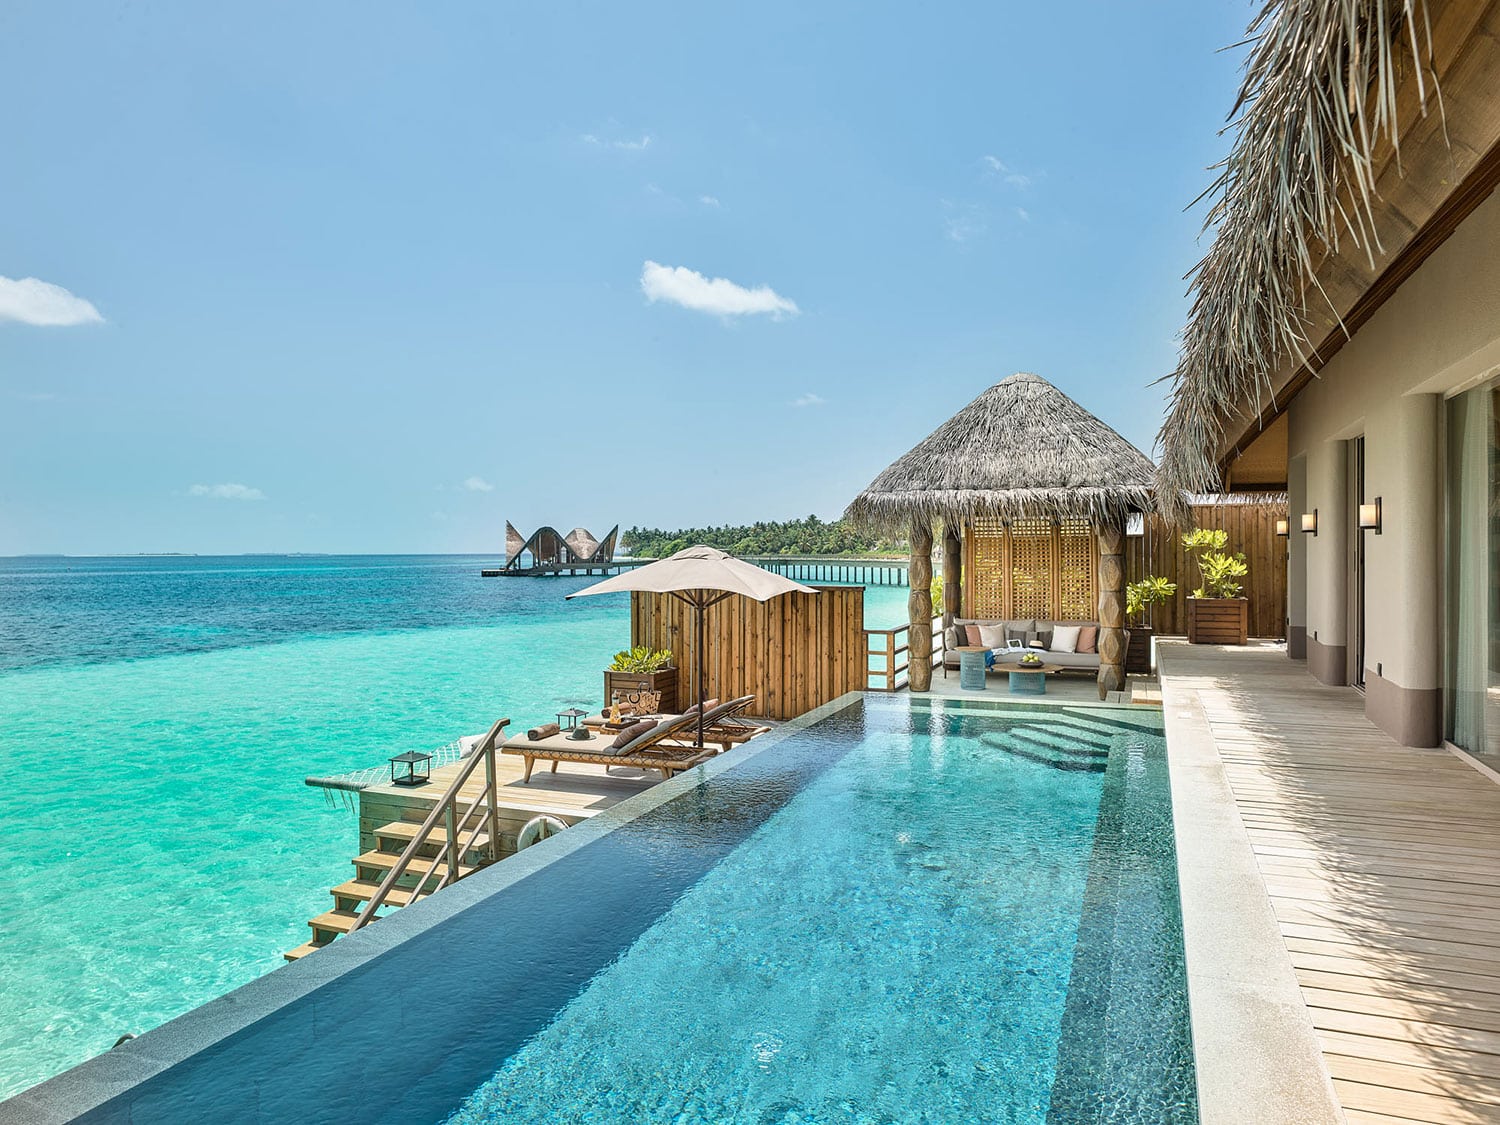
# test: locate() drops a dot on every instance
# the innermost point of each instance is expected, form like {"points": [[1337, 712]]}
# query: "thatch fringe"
{"points": [[1319, 98], [1021, 450]]}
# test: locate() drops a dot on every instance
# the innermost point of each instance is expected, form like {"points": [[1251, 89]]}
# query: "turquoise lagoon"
{"points": [[157, 718]]}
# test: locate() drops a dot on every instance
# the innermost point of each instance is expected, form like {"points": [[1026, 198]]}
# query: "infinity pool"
{"points": [[907, 911]]}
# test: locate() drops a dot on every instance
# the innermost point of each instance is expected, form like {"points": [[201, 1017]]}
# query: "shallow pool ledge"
{"points": [[1257, 1055]]}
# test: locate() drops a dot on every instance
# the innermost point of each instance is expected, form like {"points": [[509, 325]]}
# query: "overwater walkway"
{"points": [[1381, 864]]}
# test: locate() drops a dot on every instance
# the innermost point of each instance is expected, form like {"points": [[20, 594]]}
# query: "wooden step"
{"points": [[334, 921], [387, 860], [405, 831], [302, 951], [360, 890]]}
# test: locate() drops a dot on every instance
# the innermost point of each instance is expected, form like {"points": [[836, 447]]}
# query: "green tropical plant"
{"points": [[936, 590], [1148, 591], [641, 660], [1221, 572]]}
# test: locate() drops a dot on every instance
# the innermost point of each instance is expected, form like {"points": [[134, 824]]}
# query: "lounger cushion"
{"points": [[632, 732]]}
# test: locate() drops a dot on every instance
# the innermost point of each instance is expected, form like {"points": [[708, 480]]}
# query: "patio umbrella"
{"points": [[701, 577]]}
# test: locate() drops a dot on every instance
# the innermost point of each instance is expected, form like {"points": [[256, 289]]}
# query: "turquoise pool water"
{"points": [[968, 917], [157, 718]]}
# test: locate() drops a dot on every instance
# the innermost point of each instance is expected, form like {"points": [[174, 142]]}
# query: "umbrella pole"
{"points": [[700, 675]]}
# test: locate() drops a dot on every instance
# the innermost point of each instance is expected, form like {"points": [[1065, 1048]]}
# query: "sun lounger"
{"points": [[650, 751], [723, 727]]}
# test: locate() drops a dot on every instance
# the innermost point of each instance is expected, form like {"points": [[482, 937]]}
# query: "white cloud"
{"points": [[1023, 214], [964, 222], [619, 146], [1006, 174], [478, 484], [31, 301], [809, 399], [709, 200], [691, 290], [226, 492]]}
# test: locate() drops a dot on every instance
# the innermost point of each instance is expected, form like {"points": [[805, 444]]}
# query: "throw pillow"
{"points": [[971, 635], [992, 636], [953, 636], [1065, 638], [632, 732], [1088, 638], [1040, 639]]}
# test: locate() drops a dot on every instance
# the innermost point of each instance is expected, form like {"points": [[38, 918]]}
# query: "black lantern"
{"points": [[411, 768], [567, 720]]}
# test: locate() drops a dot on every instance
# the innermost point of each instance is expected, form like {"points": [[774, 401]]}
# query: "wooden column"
{"points": [[919, 609], [953, 577], [1111, 607]]}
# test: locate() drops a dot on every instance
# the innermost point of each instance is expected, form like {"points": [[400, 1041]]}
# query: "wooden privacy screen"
{"points": [[1251, 528], [1030, 569], [793, 653]]}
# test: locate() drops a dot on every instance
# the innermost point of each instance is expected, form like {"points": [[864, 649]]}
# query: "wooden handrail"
{"points": [[446, 811], [890, 670]]}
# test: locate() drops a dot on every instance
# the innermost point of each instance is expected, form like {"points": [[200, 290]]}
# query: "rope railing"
{"points": [[341, 786]]}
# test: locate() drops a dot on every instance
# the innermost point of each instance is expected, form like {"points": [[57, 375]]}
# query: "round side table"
{"points": [[971, 668]]}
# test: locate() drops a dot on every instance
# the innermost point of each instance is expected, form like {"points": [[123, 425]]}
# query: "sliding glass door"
{"points": [[1471, 693]]}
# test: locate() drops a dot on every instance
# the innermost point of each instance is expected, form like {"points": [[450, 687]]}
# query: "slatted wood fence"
{"points": [[1251, 528], [793, 653]]}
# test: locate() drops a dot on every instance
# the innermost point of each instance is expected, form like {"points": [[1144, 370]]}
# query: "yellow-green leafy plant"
{"points": [[1221, 572], [641, 660], [1148, 591]]}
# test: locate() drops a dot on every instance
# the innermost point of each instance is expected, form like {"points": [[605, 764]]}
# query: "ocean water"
{"points": [[157, 718]]}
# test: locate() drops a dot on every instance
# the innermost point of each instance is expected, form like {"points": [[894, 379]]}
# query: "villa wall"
{"points": [[1438, 334]]}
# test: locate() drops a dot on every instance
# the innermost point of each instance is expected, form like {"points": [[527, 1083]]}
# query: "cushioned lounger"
{"points": [[640, 753]]}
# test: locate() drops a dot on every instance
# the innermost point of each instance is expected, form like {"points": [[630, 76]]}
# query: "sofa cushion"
{"points": [[1088, 638], [1069, 660], [1064, 638], [992, 636], [971, 635], [954, 637]]}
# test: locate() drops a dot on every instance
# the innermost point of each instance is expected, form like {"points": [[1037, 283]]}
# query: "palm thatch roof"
{"points": [[1021, 450], [1318, 100]]}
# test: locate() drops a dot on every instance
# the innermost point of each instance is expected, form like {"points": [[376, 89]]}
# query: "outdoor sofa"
{"points": [[1035, 635]]}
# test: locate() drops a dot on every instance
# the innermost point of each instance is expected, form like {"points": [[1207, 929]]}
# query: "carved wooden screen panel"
{"points": [[1031, 556], [1077, 562], [985, 569]]}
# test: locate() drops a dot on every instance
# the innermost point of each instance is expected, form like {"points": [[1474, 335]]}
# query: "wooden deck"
{"points": [[1382, 865]]}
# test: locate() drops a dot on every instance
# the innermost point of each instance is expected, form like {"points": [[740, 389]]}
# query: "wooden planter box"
{"points": [[664, 681], [1138, 651], [1218, 621]]}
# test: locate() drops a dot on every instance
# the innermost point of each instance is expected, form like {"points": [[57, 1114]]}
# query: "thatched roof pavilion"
{"points": [[1022, 461], [1021, 450]]}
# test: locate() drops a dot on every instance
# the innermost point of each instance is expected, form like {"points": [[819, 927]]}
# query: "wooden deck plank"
{"points": [[1382, 867]]}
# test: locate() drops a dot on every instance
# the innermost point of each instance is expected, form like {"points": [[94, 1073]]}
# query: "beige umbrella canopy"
{"points": [[701, 577], [1021, 450]]}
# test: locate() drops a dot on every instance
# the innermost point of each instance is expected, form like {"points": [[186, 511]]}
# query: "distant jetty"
{"points": [[548, 554]]}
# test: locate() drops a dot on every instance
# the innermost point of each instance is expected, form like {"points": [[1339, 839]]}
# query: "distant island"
{"points": [[809, 536]]}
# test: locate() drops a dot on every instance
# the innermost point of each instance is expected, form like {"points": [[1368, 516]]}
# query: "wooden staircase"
{"points": [[411, 860]]}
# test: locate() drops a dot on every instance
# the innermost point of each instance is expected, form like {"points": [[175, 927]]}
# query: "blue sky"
{"points": [[371, 277]]}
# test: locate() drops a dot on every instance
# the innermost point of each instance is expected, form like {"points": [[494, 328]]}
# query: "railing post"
{"points": [[452, 826], [493, 797]]}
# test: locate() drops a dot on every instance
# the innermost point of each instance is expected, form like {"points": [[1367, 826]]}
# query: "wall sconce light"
{"points": [[1369, 516], [1282, 529], [1310, 521]]}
